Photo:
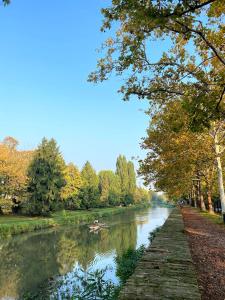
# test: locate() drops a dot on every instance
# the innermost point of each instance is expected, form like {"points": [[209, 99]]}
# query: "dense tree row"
{"points": [[39, 182], [185, 87]]}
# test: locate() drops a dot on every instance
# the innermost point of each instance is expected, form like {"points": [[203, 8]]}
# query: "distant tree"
{"points": [[109, 187], [70, 191], [10, 142], [89, 176], [122, 172], [131, 177], [45, 178], [13, 175], [114, 199], [89, 197], [89, 193], [142, 195]]}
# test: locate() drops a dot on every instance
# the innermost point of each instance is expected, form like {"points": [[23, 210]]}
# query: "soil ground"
{"points": [[207, 243]]}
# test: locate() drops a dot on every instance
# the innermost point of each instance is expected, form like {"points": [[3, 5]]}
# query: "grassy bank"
{"points": [[11, 225], [215, 218]]}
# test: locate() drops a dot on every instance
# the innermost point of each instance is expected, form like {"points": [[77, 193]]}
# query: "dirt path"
{"points": [[207, 243]]}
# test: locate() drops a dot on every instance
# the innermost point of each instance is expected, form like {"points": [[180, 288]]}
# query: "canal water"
{"points": [[28, 261]]}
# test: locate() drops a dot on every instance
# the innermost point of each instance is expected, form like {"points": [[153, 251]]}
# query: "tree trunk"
{"points": [[194, 196], [220, 175], [209, 198], [201, 198]]}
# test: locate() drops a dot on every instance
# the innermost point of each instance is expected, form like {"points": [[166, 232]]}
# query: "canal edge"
{"points": [[166, 270]]}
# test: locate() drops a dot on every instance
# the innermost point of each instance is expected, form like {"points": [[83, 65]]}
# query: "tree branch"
{"points": [[191, 9]]}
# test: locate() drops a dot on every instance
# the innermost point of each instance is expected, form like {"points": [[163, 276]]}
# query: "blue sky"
{"points": [[48, 48]]}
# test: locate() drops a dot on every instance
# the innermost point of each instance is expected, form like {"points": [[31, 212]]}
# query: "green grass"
{"points": [[11, 225], [215, 218]]}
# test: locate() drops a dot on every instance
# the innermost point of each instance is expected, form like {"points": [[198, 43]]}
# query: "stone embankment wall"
{"points": [[166, 270]]}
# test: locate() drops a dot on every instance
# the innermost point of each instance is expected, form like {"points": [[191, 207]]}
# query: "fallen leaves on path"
{"points": [[207, 244]]}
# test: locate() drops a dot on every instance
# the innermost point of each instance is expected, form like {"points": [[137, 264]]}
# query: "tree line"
{"points": [[185, 87], [39, 182]]}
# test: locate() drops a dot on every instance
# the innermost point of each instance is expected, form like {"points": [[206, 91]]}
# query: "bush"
{"points": [[127, 262]]}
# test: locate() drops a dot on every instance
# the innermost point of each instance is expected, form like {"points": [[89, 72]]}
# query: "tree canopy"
{"points": [[45, 178], [191, 70]]}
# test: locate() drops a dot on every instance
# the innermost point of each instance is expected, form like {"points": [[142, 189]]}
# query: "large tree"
{"points": [[45, 178], [89, 176], [122, 172], [177, 156], [89, 192], [131, 177], [13, 174], [70, 191], [194, 65], [109, 187]]}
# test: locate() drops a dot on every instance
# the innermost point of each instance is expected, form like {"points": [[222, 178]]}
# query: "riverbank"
{"points": [[12, 225], [166, 269], [207, 242]]}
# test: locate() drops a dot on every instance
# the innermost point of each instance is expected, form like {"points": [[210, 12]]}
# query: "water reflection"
{"points": [[29, 260]]}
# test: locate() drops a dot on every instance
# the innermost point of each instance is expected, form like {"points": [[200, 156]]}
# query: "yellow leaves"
{"points": [[217, 9], [176, 152]]}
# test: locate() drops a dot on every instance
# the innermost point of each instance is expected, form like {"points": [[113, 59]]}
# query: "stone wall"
{"points": [[166, 270]]}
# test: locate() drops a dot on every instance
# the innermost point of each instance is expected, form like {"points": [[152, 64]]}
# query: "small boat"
{"points": [[96, 226]]}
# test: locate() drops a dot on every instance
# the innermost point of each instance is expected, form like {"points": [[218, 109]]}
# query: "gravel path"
{"points": [[207, 243]]}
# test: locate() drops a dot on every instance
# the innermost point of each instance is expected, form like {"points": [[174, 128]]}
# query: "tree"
{"points": [[89, 193], [109, 187], [122, 173], [131, 177], [70, 191], [89, 176], [13, 175], [194, 66], [89, 197], [45, 178], [176, 155]]}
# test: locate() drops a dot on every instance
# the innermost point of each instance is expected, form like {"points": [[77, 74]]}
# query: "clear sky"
{"points": [[47, 50]]}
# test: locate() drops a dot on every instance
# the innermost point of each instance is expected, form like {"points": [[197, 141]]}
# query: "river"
{"points": [[27, 261]]}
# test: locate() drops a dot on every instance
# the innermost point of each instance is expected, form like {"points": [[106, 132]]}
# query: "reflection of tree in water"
{"points": [[9, 271], [27, 261], [67, 252]]}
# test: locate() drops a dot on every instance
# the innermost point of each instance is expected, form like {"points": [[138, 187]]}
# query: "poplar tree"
{"points": [[122, 172], [109, 187], [89, 193], [45, 178], [131, 177]]}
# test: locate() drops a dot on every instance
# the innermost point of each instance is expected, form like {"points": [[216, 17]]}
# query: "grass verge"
{"points": [[215, 218], [12, 225]]}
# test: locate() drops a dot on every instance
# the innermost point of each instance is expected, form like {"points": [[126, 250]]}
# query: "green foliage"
{"points": [[153, 234], [70, 191], [131, 177], [89, 197], [122, 172], [89, 176], [109, 187], [114, 199], [127, 262], [12, 225], [192, 68], [126, 173], [87, 286], [45, 175]]}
